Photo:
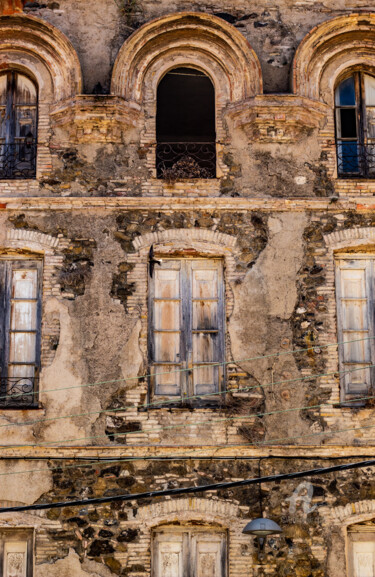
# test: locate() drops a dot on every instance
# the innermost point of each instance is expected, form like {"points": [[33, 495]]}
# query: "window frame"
{"points": [[362, 139], [7, 265], [187, 387], [190, 538], [10, 139], [347, 395], [16, 536]]}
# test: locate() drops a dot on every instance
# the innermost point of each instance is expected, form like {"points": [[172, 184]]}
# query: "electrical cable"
{"points": [[191, 490], [223, 363], [243, 389], [183, 425]]}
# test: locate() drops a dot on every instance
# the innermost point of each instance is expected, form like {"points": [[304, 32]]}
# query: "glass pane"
{"points": [[24, 372], [25, 122], [348, 123], [23, 315], [348, 157], [3, 89], [345, 93], [22, 347], [24, 284], [25, 91]]}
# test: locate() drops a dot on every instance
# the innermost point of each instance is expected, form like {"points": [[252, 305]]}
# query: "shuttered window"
{"points": [[187, 327], [189, 553], [362, 554], [16, 554], [20, 294], [355, 315]]}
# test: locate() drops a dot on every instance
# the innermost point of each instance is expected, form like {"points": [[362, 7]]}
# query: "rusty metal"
{"points": [[18, 392], [186, 160], [18, 160], [355, 160]]}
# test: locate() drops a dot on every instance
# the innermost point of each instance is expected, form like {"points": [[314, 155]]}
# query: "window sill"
{"points": [[178, 406]]}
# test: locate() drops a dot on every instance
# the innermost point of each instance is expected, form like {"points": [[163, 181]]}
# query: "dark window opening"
{"points": [[185, 126], [18, 126], [355, 126]]}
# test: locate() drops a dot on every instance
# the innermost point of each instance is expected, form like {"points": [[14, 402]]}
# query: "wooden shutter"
{"points": [[362, 560], [355, 323], [207, 334], [166, 337], [22, 319], [15, 559], [170, 555], [208, 554]]}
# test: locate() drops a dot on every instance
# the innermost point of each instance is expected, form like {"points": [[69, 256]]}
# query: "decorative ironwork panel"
{"points": [[355, 160], [178, 160], [18, 160], [17, 392]]}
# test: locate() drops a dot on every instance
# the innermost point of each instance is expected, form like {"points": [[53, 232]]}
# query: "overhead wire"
{"points": [[191, 490], [218, 364], [183, 425]]}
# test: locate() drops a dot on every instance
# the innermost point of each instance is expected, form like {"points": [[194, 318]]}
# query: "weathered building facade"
{"points": [[187, 233]]}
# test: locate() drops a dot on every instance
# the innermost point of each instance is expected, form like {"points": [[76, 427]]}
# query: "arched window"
{"points": [[18, 126], [185, 126], [355, 126]]}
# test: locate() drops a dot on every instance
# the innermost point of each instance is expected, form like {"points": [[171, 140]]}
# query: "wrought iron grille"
{"points": [[18, 160], [176, 160], [355, 160], [18, 392]]}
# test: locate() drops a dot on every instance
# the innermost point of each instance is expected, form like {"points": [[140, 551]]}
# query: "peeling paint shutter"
{"points": [[186, 332], [15, 559], [364, 559], [208, 555], [166, 335], [207, 324], [355, 322], [21, 299], [169, 555]]}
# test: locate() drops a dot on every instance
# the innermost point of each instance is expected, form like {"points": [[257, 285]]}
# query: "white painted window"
{"points": [[20, 319], [16, 559], [355, 275], [362, 553], [186, 327], [188, 552]]}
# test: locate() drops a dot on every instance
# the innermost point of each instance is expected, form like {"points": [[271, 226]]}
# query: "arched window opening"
{"points": [[185, 126], [18, 126], [355, 126]]}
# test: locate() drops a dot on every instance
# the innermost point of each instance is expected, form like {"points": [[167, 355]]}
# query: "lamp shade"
{"points": [[262, 527]]}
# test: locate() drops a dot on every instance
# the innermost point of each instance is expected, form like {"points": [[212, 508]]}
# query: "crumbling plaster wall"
{"points": [[97, 30]]}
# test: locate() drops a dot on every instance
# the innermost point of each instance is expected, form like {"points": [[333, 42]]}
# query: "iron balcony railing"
{"points": [[355, 160], [18, 392], [177, 160], [18, 160]]}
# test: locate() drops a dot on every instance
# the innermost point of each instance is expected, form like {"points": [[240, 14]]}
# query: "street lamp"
{"points": [[261, 528]]}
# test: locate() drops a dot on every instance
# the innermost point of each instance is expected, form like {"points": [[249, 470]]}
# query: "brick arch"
{"points": [[329, 49], [350, 237], [32, 240], [192, 38], [190, 509], [35, 45], [349, 514], [187, 236]]}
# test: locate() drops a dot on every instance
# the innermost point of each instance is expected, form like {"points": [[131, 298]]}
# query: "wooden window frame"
{"points": [[365, 262], [362, 140], [9, 148], [190, 537], [18, 535], [7, 266], [187, 389]]}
